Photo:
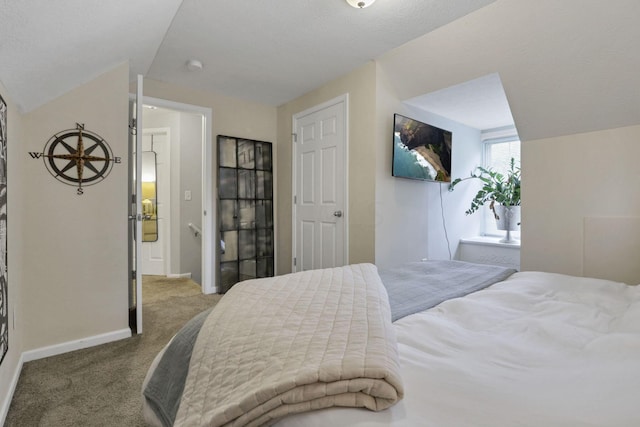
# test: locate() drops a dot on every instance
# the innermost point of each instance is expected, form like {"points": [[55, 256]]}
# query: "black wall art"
{"points": [[4, 303]]}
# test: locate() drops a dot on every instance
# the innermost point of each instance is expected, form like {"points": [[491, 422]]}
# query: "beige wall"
{"points": [[231, 116], [75, 278], [569, 178], [16, 195], [360, 86]]}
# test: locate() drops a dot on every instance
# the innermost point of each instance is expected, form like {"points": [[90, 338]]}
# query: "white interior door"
{"points": [[320, 187], [135, 211], [155, 254]]}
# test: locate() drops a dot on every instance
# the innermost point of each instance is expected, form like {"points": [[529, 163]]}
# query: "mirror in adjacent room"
{"points": [[149, 197]]}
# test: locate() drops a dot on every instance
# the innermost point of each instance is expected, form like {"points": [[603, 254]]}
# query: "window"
{"points": [[498, 151]]}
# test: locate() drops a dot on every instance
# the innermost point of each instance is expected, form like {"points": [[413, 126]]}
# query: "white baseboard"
{"points": [[179, 276], [4, 410], [54, 350]]}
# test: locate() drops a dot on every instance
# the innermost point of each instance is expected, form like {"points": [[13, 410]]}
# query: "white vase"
{"points": [[508, 218]]}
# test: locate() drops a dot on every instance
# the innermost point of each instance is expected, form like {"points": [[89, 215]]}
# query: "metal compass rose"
{"points": [[77, 157]]}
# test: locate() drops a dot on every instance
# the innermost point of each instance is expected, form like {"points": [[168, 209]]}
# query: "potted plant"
{"points": [[503, 194]]}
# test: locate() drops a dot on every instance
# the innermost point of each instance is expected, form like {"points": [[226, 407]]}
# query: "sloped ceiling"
{"points": [[479, 103], [560, 67], [266, 51], [50, 47], [567, 67]]}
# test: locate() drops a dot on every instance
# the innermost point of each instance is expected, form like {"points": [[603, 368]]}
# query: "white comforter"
{"points": [[538, 349]]}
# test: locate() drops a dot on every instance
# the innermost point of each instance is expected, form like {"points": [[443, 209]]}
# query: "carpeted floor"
{"points": [[101, 386]]}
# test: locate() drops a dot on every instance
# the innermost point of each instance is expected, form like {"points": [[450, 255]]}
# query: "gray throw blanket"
{"points": [[412, 287], [418, 286], [165, 386]]}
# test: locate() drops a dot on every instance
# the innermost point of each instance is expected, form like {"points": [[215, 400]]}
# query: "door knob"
{"points": [[337, 213]]}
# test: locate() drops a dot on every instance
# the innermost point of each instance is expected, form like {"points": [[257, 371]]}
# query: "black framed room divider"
{"points": [[245, 210]]}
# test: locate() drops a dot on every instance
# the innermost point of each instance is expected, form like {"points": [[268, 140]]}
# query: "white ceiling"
{"points": [[480, 103], [266, 51]]}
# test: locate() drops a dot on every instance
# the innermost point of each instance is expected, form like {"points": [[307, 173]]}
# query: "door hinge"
{"points": [[295, 260], [295, 137], [295, 199], [133, 126], [133, 199], [133, 275]]}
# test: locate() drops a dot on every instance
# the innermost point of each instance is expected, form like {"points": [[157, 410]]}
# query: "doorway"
{"points": [[320, 159], [193, 169], [185, 129]]}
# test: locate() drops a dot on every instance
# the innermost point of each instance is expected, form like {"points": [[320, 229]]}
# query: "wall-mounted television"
{"points": [[420, 151]]}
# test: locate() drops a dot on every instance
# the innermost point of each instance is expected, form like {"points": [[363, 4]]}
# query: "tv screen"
{"points": [[420, 151]]}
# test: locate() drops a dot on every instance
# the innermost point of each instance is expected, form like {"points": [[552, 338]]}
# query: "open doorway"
{"points": [[179, 213]]}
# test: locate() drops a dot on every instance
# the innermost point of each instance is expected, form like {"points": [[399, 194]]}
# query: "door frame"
{"points": [[209, 213], [344, 99]]}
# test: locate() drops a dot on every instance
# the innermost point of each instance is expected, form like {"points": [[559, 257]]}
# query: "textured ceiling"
{"points": [[266, 51], [49, 47]]}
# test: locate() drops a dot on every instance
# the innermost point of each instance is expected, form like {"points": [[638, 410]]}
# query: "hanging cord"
{"points": [[444, 224]]}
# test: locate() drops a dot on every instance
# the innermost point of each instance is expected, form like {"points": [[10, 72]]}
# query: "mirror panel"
{"points": [[149, 197], [246, 154], [227, 152]]}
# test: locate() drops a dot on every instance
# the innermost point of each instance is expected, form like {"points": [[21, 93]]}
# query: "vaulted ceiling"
{"points": [[268, 51], [565, 66]]}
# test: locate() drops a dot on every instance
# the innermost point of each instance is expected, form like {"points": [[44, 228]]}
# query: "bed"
{"points": [[436, 343]]}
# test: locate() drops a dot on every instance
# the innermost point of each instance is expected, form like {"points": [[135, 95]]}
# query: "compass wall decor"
{"points": [[77, 157]]}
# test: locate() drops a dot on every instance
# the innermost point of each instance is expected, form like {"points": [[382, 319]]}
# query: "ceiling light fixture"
{"points": [[194, 65], [360, 4]]}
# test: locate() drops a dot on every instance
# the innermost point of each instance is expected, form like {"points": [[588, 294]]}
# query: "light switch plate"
{"points": [[187, 195]]}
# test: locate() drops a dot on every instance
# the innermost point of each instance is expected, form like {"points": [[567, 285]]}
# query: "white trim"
{"points": [[344, 99], [506, 132], [179, 276], [274, 177], [294, 250], [490, 241], [65, 347], [4, 410], [138, 196], [208, 255]]}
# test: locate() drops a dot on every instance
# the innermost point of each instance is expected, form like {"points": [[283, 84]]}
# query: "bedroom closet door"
{"points": [[320, 187]]}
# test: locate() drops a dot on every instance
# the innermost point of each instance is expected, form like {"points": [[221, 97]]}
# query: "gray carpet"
{"points": [[100, 386]]}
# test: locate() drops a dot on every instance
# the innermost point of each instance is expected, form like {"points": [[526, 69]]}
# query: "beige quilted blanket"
{"points": [[290, 344]]}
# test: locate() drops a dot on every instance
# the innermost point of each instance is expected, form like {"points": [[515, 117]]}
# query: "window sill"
{"points": [[489, 250], [490, 241]]}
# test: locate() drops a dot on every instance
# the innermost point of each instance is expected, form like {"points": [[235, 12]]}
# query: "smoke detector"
{"points": [[194, 65]]}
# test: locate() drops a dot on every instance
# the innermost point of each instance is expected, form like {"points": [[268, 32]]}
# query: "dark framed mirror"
{"points": [[149, 197]]}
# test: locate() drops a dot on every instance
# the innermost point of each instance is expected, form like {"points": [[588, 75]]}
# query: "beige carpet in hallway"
{"points": [[100, 386]]}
